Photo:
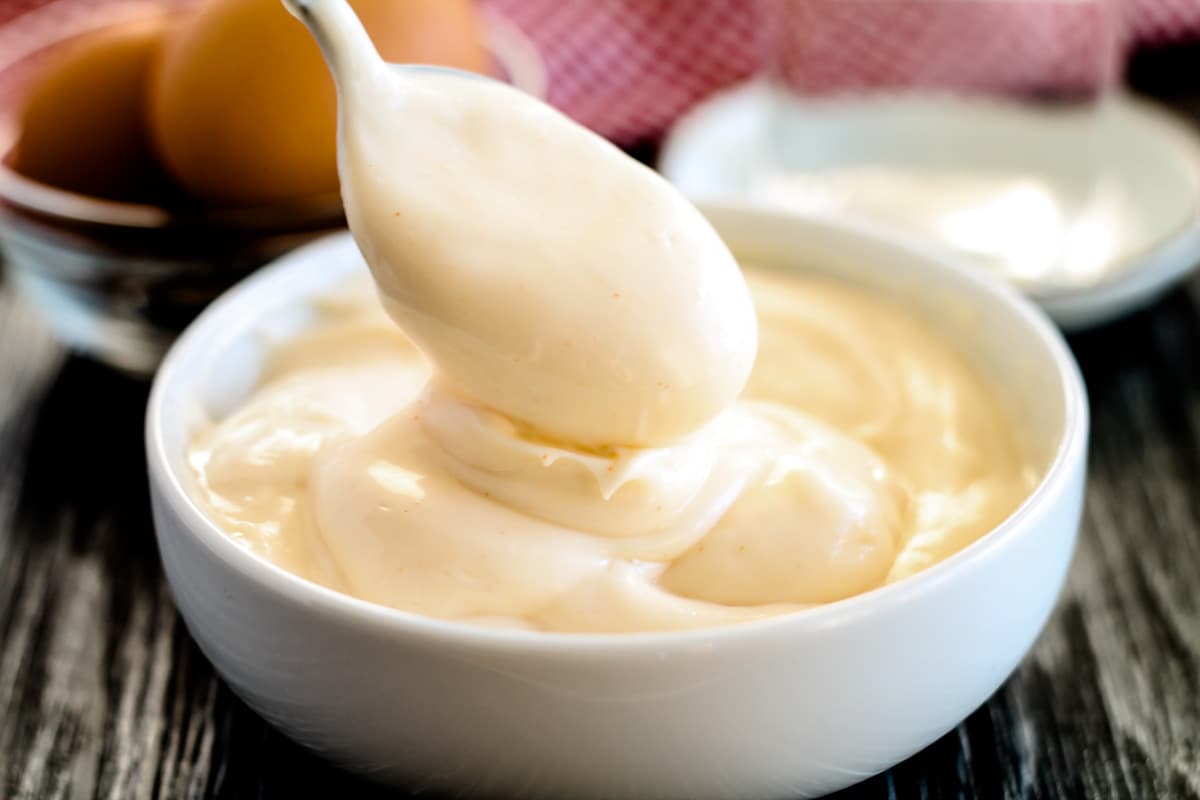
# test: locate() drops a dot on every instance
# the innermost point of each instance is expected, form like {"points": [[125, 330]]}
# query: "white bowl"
{"points": [[1119, 186], [784, 707]]}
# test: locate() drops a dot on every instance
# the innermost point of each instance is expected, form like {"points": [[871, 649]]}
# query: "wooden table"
{"points": [[103, 694]]}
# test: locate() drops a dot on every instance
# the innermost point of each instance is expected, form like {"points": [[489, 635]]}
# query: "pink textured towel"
{"points": [[628, 68]]}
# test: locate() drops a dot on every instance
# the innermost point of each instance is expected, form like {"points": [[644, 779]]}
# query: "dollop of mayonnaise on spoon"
{"points": [[547, 275]]}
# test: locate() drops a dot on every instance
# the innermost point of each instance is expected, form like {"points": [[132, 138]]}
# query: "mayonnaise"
{"points": [[882, 455], [545, 273], [556, 440]]}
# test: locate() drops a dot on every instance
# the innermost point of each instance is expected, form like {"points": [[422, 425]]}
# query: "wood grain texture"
{"points": [[103, 695]]}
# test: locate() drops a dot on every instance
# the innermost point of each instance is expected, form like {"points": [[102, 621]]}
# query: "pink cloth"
{"points": [[1052, 48], [628, 68]]}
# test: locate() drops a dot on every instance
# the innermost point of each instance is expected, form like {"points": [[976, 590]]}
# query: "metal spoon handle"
{"points": [[339, 32]]}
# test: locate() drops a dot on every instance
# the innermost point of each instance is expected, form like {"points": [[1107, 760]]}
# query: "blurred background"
{"points": [[155, 151]]}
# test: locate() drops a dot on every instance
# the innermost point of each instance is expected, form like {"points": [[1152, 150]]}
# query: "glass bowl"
{"points": [[118, 281]]}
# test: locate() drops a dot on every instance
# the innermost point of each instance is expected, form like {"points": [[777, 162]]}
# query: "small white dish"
{"points": [[789, 706], [1091, 213]]}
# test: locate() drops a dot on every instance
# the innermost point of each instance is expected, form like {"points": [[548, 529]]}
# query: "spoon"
{"points": [[547, 275]]}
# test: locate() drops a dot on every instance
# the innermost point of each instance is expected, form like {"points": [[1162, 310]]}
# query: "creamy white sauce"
{"points": [[545, 273], [882, 456], [555, 440]]}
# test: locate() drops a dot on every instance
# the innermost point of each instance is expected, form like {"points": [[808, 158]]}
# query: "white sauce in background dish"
{"points": [[556, 439]]}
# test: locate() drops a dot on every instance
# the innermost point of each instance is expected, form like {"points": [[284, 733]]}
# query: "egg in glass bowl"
{"points": [[128, 202]]}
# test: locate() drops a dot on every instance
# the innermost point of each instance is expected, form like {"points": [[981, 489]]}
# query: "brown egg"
{"points": [[242, 108], [83, 126]]}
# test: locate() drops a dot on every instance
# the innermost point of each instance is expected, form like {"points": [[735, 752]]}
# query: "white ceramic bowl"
{"points": [[1132, 164], [785, 707]]}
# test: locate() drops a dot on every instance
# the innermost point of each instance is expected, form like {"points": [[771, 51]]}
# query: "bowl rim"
{"points": [[167, 487]]}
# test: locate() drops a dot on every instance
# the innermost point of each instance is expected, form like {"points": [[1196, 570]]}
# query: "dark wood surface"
{"points": [[103, 695]]}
